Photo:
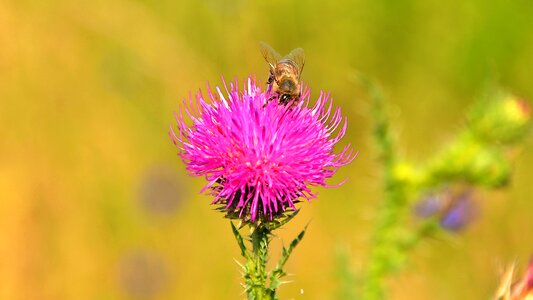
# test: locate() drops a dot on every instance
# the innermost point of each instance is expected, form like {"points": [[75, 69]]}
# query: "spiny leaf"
{"points": [[240, 265], [240, 240], [288, 251], [278, 272], [278, 224]]}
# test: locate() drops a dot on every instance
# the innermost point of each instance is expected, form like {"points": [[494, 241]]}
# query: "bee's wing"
{"points": [[298, 57], [271, 56]]}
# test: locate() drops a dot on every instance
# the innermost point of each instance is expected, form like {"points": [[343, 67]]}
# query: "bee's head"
{"points": [[285, 98]]}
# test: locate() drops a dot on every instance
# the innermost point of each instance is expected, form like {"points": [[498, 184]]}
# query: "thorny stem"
{"points": [[254, 271], [385, 248], [256, 277]]}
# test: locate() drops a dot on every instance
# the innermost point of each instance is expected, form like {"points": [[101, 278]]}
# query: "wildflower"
{"points": [[459, 214], [259, 157], [516, 290], [454, 209], [524, 288]]}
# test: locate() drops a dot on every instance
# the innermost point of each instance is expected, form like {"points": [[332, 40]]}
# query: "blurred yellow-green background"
{"points": [[95, 203]]}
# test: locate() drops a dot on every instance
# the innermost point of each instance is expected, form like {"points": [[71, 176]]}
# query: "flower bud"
{"points": [[469, 160], [405, 173], [501, 118]]}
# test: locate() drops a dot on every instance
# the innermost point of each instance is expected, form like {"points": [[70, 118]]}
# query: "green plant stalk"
{"points": [[386, 248], [255, 275], [473, 158], [346, 279], [255, 270]]}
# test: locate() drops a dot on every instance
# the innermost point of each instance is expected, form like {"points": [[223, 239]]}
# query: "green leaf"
{"points": [[240, 241], [278, 272], [278, 224]]}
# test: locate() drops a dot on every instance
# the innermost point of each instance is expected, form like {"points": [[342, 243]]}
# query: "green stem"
{"points": [[256, 274], [254, 271], [385, 249]]}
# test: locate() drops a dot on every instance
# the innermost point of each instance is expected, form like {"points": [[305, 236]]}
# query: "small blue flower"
{"points": [[454, 209]]}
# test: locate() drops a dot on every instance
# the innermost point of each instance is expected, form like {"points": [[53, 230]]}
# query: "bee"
{"points": [[285, 72]]}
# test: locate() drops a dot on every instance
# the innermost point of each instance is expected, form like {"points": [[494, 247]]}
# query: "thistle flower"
{"points": [[259, 157]]}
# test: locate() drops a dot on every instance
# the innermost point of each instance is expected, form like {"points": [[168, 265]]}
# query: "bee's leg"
{"points": [[269, 88], [296, 99], [269, 99], [270, 78], [269, 82], [292, 101]]}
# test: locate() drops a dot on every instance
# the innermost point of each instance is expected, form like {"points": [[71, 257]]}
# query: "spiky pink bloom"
{"points": [[260, 157]]}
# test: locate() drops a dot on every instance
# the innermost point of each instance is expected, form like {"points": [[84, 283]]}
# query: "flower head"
{"points": [[259, 157]]}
